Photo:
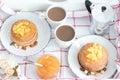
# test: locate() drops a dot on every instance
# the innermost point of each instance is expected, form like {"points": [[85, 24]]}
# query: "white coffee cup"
{"points": [[64, 35], [56, 14]]}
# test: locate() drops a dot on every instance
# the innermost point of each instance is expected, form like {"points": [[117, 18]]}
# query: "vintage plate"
{"points": [[43, 33], [73, 56]]}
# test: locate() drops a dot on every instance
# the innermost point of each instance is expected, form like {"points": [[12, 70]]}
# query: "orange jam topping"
{"points": [[21, 28], [49, 66], [95, 52]]}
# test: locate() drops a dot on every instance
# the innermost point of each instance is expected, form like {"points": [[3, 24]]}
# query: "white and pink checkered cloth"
{"points": [[81, 21]]}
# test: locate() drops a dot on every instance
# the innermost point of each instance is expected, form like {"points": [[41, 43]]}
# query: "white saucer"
{"points": [[73, 56], [43, 33]]}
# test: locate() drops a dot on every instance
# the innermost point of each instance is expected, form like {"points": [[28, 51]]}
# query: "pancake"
{"points": [[93, 57], [24, 33]]}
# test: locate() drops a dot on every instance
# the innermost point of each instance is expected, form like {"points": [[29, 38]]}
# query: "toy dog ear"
{"points": [[88, 4]]}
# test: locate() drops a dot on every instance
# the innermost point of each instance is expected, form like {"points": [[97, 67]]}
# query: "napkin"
{"points": [[5, 9], [117, 61]]}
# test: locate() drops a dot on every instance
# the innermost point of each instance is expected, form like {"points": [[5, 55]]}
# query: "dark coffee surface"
{"points": [[65, 33], [56, 14]]}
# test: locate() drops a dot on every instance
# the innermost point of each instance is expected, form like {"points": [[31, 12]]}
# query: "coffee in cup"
{"points": [[65, 35], [56, 14]]}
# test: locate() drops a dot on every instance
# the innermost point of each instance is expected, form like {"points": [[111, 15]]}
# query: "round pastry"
{"points": [[24, 33], [93, 57], [49, 66]]}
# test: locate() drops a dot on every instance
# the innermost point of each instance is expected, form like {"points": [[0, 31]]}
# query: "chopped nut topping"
{"points": [[86, 71], [12, 43], [97, 73], [82, 69], [24, 47], [95, 52]]}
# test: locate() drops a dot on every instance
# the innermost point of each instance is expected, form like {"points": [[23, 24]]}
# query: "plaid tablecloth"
{"points": [[81, 21]]}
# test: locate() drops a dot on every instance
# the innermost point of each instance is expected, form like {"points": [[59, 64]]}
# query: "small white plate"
{"points": [[73, 56], [43, 33]]}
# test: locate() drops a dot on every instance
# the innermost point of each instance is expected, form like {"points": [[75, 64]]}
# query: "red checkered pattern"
{"points": [[81, 25]]}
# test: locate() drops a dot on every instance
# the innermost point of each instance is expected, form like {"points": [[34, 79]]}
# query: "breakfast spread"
{"points": [[93, 58], [49, 66], [24, 34]]}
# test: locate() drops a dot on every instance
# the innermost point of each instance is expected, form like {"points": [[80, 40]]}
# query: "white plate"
{"points": [[73, 56], [43, 33]]}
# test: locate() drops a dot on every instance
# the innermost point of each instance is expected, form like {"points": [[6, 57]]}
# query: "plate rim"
{"points": [[82, 45], [16, 15]]}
